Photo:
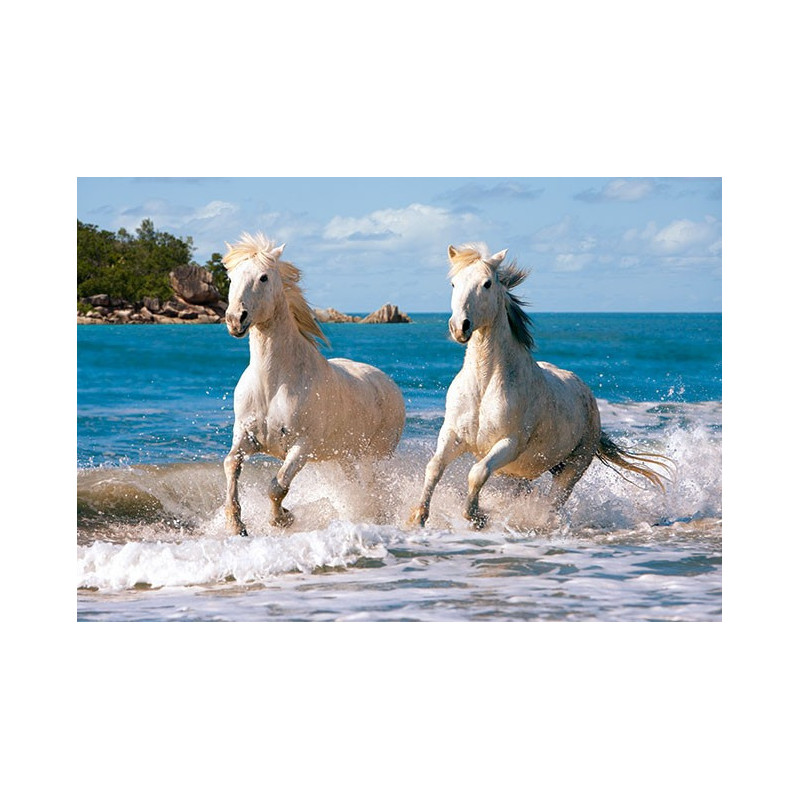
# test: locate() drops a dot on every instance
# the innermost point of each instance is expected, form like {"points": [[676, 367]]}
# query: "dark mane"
{"points": [[518, 320]]}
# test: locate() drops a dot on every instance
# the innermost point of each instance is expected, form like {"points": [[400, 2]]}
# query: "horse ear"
{"points": [[276, 252], [497, 259], [451, 252]]}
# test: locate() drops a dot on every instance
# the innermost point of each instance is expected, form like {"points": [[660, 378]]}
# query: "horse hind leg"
{"points": [[368, 501], [565, 476]]}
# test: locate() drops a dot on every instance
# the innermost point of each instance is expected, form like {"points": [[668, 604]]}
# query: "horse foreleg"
{"points": [[448, 448], [279, 487], [502, 453], [233, 509]]}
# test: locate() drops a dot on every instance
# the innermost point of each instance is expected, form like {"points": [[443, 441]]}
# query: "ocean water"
{"points": [[154, 423]]}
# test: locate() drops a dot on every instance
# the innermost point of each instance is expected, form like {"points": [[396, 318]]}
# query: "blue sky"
{"points": [[592, 244]]}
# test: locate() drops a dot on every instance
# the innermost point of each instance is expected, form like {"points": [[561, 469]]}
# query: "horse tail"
{"points": [[611, 454]]}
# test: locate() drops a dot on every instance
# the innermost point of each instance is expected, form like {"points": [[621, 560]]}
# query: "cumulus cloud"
{"points": [[215, 208], [569, 246], [572, 262], [550, 235], [620, 190], [284, 226], [168, 215], [209, 224], [682, 237], [412, 225]]}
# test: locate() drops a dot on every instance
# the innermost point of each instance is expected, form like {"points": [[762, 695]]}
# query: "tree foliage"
{"points": [[217, 269], [129, 266]]}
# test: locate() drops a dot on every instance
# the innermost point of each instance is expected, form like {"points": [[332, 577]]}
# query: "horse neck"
{"points": [[494, 349], [278, 349]]}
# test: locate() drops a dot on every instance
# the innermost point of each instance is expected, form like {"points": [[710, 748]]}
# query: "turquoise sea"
{"points": [[154, 423]]}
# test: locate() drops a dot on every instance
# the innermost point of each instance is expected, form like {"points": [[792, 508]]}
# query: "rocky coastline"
{"points": [[196, 300]]}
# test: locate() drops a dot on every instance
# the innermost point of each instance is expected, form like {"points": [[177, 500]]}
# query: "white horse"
{"points": [[291, 402], [516, 415]]}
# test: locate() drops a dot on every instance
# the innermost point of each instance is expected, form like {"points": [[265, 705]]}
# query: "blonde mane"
{"points": [[258, 248], [461, 257]]}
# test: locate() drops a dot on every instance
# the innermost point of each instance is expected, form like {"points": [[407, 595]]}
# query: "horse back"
{"points": [[369, 402], [572, 401]]}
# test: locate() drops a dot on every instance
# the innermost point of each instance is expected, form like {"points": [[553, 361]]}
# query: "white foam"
{"points": [[207, 560], [339, 521]]}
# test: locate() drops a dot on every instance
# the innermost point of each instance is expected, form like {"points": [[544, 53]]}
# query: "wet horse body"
{"points": [[515, 415], [291, 402]]}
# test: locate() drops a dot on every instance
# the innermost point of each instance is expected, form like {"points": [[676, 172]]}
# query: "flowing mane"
{"points": [[461, 257], [258, 248], [509, 276], [520, 322]]}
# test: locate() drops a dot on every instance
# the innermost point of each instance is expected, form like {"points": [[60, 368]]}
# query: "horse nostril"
{"points": [[465, 326], [242, 316]]}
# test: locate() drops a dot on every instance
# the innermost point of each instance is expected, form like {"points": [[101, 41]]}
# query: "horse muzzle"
{"points": [[238, 324], [461, 332]]}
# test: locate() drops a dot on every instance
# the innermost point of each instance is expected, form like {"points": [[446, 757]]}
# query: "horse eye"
{"points": [[487, 285], [263, 279]]}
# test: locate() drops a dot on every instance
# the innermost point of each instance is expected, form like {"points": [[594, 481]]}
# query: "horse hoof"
{"points": [[236, 529], [284, 519], [419, 517], [477, 520]]}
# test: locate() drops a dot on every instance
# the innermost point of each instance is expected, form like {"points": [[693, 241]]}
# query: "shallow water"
{"points": [[154, 423]]}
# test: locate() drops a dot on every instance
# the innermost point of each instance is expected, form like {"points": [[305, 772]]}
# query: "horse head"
{"points": [[254, 288], [478, 296]]}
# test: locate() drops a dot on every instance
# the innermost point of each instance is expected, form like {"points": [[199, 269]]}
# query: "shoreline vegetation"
{"points": [[150, 278]]}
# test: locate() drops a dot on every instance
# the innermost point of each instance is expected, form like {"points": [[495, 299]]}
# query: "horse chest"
{"points": [[273, 421], [487, 416]]}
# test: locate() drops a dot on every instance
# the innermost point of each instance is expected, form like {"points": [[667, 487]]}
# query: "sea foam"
{"points": [[104, 565]]}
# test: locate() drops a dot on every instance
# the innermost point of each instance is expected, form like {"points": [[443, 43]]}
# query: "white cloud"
{"points": [[568, 246], [683, 234], [682, 237], [286, 227], [415, 224], [549, 235], [209, 224], [175, 217], [627, 191], [571, 262], [216, 208], [571, 248]]}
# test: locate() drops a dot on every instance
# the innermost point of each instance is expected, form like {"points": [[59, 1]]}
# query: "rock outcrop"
{"points": [[332, 315], [194, 285], [196, 300], [387, 313]]}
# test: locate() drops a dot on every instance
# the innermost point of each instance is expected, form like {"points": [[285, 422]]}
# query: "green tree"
{"points": [[217, 269], [128, 266]]}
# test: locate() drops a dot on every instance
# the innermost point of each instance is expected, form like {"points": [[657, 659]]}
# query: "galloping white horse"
{"points": [[514, 414], [291, 402]]}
